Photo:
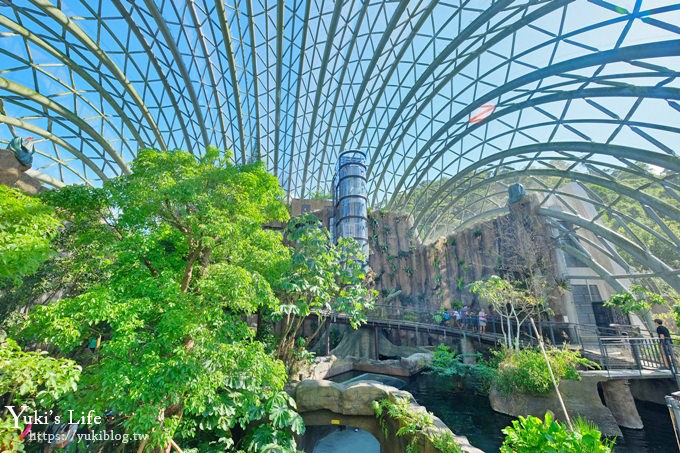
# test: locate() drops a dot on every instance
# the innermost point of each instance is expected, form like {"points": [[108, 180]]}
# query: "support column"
{"points": [[467, 347], [619, 400], [328, 337], [376, 342]]}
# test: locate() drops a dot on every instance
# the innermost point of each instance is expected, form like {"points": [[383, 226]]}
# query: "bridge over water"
{"points": [[621, 351]]}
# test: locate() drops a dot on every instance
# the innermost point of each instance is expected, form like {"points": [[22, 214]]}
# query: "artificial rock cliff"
{"points": [[414, 276]]}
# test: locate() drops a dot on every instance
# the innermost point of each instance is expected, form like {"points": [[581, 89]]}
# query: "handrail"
{"points": [[619, 346], [554, 332], [637, 354], [604, 343]]}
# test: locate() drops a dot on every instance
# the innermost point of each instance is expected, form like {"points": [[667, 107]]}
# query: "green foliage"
{"points": [[320, 195], [531, 434], [633, 209], [445, 442], [449, 364], [510, 302], [321, 278], [412, 424], [637, 298], [173, 257], [26, 227], [525, 371], [9, 436], [33, 380]]}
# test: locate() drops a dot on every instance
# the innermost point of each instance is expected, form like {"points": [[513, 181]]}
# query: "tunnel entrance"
{"points": [[339, 439]]}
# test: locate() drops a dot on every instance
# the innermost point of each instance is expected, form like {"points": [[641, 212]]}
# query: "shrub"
{"points": [[413, 424], [531, 434], [525, 371], [449, 363], [445, 443]]}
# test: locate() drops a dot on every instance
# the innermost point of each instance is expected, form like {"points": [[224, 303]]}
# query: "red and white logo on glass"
{"points": [[482, 113]]}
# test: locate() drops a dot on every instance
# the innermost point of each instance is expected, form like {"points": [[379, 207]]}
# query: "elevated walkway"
{"points": [[620, 351]]}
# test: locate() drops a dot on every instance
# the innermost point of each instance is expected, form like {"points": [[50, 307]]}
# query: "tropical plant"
{"points": [[322, 278], [444, 442], [639, 300], [525, 371], [320, 195], [30, 382], [412, 424], [449, 364], [178, 259], [531, 434]]}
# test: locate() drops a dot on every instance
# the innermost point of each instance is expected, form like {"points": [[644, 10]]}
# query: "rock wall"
{"points": [[330, 403], [580, 397], [13, 174], [417, 276]]}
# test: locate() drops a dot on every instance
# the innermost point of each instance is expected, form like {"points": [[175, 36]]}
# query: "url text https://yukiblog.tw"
{"points": [[102, 436]]}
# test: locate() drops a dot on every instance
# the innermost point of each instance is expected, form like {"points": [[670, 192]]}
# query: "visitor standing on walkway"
{"points": [[666, 342], [482, 320], [445, 317], [464, 316], [456, 318]]}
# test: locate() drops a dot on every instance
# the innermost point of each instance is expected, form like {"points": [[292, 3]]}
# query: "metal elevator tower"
{"points": [[350, 199]]}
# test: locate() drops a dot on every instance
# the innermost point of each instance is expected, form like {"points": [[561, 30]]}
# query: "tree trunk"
{"points": [[189, 269]]}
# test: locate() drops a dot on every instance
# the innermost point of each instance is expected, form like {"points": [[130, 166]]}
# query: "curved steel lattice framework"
{"points": [[585, 92]]}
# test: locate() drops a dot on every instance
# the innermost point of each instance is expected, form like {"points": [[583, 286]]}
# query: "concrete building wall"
{"points": [[587, 286]]}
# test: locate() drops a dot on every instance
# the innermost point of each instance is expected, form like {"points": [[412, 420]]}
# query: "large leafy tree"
{"points": [[173, 258], [322, 278], [26, 227], [27, 379]]}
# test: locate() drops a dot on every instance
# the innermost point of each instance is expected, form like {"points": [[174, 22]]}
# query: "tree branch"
{"points": [[189, 269]]}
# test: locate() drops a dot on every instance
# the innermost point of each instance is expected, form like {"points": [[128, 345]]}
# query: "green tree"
{"points": [[175, 259], [322, 278], [26, 228], [638, 300], [29, 382], [656, 237], [27, 379], [514, 305]]}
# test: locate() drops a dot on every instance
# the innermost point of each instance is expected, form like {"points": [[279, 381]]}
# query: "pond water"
{"points": [[465, 412], [470, 415]]}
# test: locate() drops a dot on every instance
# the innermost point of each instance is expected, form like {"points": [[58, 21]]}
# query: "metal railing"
{"points": [[617, 347], [626, 353], [585, 336]]}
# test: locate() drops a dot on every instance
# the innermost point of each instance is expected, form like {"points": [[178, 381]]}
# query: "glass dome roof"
{"points": [[452, 101]]}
